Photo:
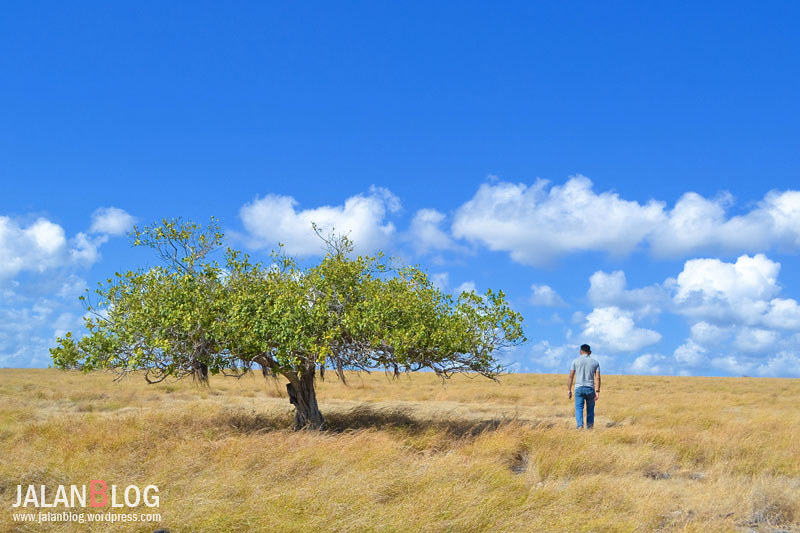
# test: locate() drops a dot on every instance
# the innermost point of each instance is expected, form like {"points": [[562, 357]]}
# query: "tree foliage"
{"points": [[193, 317]]}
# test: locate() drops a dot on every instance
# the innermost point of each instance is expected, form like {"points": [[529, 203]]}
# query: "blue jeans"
{"points": [[584, 394]]}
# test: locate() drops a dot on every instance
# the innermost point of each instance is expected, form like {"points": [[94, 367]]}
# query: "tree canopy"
{"points": [[192, 316]]}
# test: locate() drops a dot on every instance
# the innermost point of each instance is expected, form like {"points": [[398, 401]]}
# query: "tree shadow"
{"points": [[251, 422], [368, 417]]}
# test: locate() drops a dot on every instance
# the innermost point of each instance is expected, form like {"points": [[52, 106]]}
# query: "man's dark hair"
{"points": [[586, 348]]}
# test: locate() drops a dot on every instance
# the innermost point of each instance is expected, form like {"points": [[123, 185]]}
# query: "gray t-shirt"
{"points": [[584, 367]]}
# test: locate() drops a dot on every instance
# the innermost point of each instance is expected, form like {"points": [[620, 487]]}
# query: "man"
{"points": [[585, 372]]}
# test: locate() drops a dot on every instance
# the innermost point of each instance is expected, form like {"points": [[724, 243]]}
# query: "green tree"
{"points": [[192, 316]]}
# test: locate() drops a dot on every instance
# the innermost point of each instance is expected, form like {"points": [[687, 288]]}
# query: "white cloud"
{"points": [[690, 353], [85, 250], [694, 222], [755, 340], [24, 352], [783, 314], [739, 318], [651, 363], [40, 246], [426, 234], [708, 334], [441, 280], [29, 328], [784, 364], [42, 302], [698, 223], [274, 218], [111, 221], [66, 321], [614, 330], [732, 365], [467, 286], [742, 293], [783, 211], [71, 287], [749, 277], [711, 289], [611, 290], [545, 296], [536, 225], [553, 357], [47, 236]]}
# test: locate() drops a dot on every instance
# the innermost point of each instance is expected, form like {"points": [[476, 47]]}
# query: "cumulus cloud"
{"points": [[734, 365], [755, 340], [784, 364], [536, 225], [615, 330], [704, 339], [737, 317], [698, 223], [39, 286], [441, 280], [41, 245], [744, 292], [467, 286], [539, 223], [651, 363], [690, 353], [707, 334], [274, 218], [111, 221], [85, 250], [783, 314], [751, 278], [426, 234], [694, 222], [553, 357], [611, 290], [546, 296]]}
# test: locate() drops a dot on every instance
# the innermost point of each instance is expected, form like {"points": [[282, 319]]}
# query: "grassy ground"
{"points": [[413, 454]]}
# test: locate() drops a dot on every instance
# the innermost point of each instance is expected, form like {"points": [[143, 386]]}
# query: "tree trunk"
{"points": [[200, 373], [304, 398]]}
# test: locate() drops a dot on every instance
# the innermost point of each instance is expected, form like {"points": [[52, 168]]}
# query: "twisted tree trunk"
{"points": [[304, 398]]}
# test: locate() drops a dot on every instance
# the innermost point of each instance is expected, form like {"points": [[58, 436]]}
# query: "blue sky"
{"points": [[627, 173]]}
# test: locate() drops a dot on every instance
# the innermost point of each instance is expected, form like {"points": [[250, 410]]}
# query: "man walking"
{"points": [[585, 372]]}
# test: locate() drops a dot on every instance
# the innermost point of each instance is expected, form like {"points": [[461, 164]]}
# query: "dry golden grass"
{"points": [[414, 454]]}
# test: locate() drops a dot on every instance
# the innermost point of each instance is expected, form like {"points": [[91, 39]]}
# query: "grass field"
{"points": [[413, 454]]}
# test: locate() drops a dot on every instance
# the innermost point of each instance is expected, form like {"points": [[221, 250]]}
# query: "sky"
{"points": [[626, 172]]}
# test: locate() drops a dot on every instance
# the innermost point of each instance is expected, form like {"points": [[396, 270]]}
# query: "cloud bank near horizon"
{"points": [[732, 312]]}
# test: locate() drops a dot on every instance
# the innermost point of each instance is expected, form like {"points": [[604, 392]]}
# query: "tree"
{"points": [[193, 317]]}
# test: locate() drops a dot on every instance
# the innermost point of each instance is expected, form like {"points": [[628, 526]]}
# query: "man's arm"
{"points": [[597, 384], [569, 384]]}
